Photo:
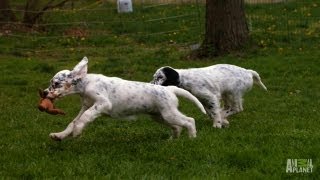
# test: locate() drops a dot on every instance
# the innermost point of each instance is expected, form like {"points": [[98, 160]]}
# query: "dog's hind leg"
{"points": [[175, 119], [236, 102], [176, 130]]}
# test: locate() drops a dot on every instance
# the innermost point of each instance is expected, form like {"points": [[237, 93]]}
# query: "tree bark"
{"points": [[30, 12], [6, 13], [33, 14], [226, 28]]}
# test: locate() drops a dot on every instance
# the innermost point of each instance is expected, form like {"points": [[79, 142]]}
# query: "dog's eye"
{"points": [[55, 84], [160, 77]]}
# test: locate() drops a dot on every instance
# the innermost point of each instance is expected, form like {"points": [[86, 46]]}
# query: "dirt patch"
{"points": [[76, 32], [12, 28]]}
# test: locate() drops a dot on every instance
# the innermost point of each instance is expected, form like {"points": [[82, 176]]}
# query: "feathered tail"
{"points": [[257, 79], [181, 92]]}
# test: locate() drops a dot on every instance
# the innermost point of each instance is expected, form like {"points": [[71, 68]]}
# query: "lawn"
{"points": [[275, 126]]}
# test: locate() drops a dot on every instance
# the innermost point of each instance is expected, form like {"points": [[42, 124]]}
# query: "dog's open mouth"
{"points": [[54, 96], [49, 95]]}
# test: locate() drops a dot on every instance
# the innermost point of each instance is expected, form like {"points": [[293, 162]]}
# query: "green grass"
{"points": [[277, 125]]}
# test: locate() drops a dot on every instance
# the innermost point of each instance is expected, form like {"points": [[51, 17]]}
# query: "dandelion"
{"points": [[262, 43], [280, 49]]}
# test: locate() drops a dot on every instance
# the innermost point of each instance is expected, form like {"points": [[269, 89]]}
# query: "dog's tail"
{"points": [[257, 79], [181, 92]]}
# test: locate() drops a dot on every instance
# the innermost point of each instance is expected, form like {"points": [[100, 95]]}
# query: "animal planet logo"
{"points": [[299, 166]]}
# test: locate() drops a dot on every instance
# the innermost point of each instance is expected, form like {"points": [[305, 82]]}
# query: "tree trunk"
{"points": [[6, 13], [226, 28], [35, 9], [31, 8]]}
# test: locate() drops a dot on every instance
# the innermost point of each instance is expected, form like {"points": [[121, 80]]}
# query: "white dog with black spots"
{"points": [[118, 98], [211, 85]]}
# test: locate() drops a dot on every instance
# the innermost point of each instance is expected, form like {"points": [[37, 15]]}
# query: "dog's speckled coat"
{"points": [[117, 97], [211, 85]]}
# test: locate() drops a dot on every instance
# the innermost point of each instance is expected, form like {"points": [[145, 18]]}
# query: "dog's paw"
{"points": [[55, 136], [225, 123], [217, 125]]}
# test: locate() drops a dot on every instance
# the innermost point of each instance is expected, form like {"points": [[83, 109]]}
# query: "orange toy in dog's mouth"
{"points": [[46, 104]]}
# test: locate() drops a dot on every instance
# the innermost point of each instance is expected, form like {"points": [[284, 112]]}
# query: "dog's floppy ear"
{"points": [[172, 76], [41, 93], [80, 70]]}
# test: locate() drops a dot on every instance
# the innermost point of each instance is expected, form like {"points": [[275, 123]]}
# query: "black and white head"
{"points": [[166, 76], [65, 81]]}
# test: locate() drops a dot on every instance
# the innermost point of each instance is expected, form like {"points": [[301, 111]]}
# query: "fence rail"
{"points": [[156, 21]]}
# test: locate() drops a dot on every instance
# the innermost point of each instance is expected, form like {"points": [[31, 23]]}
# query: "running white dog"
{"points": [[117, 97], [211, 85]]}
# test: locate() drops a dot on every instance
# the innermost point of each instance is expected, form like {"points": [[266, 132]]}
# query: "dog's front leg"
{"points": [[90, 115], [61, 135], [214, 111]]}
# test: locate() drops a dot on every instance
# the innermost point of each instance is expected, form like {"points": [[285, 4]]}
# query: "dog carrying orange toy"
{"points": [[46, 104]]}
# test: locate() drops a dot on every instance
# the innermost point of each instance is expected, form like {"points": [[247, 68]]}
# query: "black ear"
{"points": [[41, 93], [172, 77]]}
